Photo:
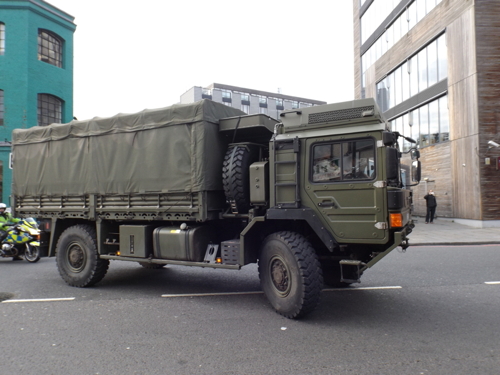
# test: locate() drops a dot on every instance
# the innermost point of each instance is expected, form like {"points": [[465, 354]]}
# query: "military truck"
{"points": [[316, 197]]}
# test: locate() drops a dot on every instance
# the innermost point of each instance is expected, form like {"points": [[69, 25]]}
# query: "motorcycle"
{"points": [[21, 239]]}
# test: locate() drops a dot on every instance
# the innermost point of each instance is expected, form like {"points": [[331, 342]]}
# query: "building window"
{"points": [[226, 96], [279, 104], [245, 101], [49, 48], [262, 102], [428, 67], [341, 161], [428, 124], [206, 94], [374, 16], [263, 110], [2, 108], [2, 38], [295, 105], [49, 110], [414, 13], [245, 108]]}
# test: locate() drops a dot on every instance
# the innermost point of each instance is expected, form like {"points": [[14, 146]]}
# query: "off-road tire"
{"points": [[290, 274], [235, 175], [77, 258], [152, 266]]}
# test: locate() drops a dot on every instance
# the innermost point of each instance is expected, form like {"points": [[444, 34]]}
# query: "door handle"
{"points": [[327, 204]]}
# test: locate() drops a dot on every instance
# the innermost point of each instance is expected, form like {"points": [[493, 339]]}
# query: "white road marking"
{"points": [[363, 288], [208, 294], [38, 300], [260, 292], [492, 282]]}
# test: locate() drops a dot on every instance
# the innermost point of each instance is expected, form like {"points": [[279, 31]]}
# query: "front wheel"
{"points": [[290, 274], [31, 253], [77, 258]]}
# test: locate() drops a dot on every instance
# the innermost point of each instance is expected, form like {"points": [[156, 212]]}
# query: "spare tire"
{"points": [[235, 175]]}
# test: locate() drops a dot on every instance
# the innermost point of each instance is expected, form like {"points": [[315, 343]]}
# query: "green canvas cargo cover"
{"points": [[170, 149]]}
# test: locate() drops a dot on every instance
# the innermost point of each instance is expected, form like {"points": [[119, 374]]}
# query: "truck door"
{"points": [[341, 176]]}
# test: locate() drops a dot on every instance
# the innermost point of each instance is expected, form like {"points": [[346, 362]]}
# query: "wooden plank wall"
{"points": [[437, 169], [487, 19], [463, 107]]}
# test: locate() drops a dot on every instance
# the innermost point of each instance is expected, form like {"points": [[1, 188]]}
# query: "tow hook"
{"points": [[404, 245]]}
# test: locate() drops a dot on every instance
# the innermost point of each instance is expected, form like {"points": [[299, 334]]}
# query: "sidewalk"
{"points": [[447, 232]]}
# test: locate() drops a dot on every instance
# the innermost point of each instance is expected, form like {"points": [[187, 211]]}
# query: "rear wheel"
{"points": [[77, 259], [31, 253], [290, 274]]}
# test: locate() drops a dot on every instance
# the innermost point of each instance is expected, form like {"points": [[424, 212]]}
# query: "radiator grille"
{"points": [[341, 114]]}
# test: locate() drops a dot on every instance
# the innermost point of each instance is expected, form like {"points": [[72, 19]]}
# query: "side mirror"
{"points": [[416, 171], [389, 138], [415, 154]]}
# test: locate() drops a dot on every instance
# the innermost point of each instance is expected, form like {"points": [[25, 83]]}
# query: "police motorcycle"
{"points": [[21, 239]]}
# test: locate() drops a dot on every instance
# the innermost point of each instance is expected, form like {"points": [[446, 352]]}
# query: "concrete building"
{"points": [[432, 66], [248, 100], [36, 72]]}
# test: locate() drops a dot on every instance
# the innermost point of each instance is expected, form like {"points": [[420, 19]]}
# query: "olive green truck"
{"points": [[315, 198]]}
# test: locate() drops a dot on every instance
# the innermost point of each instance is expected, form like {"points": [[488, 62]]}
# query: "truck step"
{"points": [[211, 254], [350, 270]]}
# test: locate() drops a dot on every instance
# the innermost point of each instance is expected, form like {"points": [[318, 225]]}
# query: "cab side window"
{"points": [[340, 161]]}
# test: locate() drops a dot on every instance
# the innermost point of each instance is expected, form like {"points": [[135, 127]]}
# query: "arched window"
{"points": [[2, 38], [49, 109], [50, 48]]}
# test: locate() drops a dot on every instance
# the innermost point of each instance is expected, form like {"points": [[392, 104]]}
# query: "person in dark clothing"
{"points": [[431, 207]]}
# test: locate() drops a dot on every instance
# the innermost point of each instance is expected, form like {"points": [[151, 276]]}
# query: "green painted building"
{"points": [[36, 72]]}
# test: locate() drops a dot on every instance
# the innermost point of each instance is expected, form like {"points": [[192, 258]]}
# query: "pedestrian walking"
{"points": [[431, 207]]}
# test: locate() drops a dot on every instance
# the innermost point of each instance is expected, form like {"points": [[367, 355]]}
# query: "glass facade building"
{"points": [[432, 66]]}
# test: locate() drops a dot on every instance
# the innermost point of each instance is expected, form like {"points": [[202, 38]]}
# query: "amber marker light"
{"points": [[118, 253], [396, 220], [218, 260]]}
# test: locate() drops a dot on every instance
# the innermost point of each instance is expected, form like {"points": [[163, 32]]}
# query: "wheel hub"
{"points": [[280, 276], [76, 258]]}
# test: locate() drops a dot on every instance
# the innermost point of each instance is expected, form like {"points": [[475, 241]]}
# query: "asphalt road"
{"points": [[439, 316]]}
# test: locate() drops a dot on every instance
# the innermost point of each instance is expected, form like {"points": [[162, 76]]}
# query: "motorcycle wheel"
{"points": [[31, 253]]}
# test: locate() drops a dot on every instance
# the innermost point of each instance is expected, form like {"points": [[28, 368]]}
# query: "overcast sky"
{"points": [[129, 56]]}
